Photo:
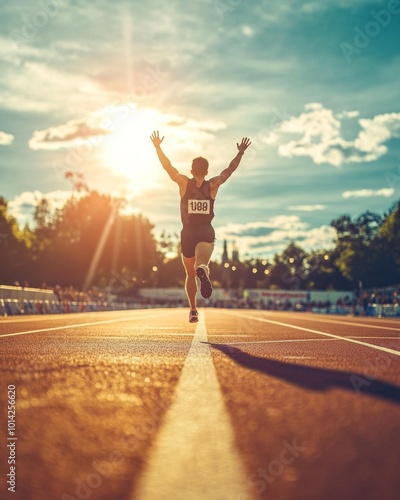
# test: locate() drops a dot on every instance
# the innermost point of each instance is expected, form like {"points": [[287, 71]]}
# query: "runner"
{"points": [[197, 211]]}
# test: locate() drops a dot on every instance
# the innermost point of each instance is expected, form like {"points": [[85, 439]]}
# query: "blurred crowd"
{"points": [[367, 303], [73, 295]]}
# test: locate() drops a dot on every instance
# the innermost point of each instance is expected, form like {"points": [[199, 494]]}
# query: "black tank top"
{"points": [[197, 206]]}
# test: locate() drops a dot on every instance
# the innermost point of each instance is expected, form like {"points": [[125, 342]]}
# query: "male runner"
{"points": [[197, 211]]}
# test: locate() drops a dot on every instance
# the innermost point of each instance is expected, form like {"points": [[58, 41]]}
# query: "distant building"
{"points": [[231, 269], [225, 267]]}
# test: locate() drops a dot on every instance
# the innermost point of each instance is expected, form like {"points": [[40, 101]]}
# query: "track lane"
{"points": [[97, 396], [87, 401], [336, 404], [302, 325], [20, 326]]}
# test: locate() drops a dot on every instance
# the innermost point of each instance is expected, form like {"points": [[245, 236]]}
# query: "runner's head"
{"points": [[200, 167]]}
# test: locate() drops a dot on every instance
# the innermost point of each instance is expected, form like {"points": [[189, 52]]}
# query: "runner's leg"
{"points": [[190, 283], [203, 254]]}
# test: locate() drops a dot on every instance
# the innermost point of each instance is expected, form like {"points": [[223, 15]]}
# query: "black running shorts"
{"points": [[191, 235]]}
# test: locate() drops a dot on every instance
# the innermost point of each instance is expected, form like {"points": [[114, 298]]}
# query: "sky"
{"points": [[313, 84]]}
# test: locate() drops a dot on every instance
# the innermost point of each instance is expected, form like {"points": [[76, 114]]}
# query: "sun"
{"points": [[129, 152]]}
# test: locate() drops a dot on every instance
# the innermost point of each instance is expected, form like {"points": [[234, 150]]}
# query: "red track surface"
{"points": [[313, 402]]}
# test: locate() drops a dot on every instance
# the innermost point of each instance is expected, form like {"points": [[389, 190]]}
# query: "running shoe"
{"points": [[193, 316], [205, 283]]}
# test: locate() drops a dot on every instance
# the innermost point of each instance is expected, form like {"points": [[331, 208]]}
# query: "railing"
{"points": [[372, 310]]}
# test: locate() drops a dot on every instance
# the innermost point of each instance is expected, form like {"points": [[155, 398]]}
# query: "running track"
{"points": [[245, 405]]}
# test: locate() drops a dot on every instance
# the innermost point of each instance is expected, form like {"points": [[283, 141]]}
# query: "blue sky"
{"points": [[313, 84]]}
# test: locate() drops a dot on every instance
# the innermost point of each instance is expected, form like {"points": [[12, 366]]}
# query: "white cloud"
{"points": [[50, 89], [13, 54], [272, 236], [71, 134], [321, 140], [6, 139], [368, 193], [377, 131], [22, 206], [348, 114], [188, 134], [307, 208], [315, 6]]}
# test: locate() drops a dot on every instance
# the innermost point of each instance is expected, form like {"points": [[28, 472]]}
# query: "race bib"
{"points": [[199, 206]]}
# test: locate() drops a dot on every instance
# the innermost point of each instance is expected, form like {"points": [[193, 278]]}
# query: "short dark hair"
{"points": [[200, 166]]}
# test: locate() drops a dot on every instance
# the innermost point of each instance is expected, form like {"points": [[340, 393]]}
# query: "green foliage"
{"points": [[90, 241], [366, 250], [88, 233], [13, 248]]}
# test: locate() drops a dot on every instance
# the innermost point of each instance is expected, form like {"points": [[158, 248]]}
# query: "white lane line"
{"points": [[6, 320], [287, 341], [194, 456], [366, 325], [303, 340], [137, 334], [372, 337], [165, 334], [77, 325], [288, 325]]}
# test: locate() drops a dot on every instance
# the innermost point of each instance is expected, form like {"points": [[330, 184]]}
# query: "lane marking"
{"points": [[161, 333], [343, 323], [288, 325], [372, 337], [303, 340], [137, 334], [194, 455], [77, 325], [57, 316], [279, 341]]}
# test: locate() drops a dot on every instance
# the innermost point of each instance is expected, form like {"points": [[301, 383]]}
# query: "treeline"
{"points": [[90, 242]]}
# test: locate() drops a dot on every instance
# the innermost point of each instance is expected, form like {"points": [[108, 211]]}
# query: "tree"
{"points": [[385, 249], [89, 240], [353, 252], [13, 248], [323, 273], [288, 269]]}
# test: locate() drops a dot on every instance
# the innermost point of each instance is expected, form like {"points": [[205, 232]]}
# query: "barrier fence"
{"points": [[16, 301], [372, 310]]}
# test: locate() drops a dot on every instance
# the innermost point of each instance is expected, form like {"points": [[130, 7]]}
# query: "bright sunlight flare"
{"points": [[129, 151]]}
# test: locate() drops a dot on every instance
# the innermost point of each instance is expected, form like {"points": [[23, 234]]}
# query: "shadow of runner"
{"points": [[315, 379]]}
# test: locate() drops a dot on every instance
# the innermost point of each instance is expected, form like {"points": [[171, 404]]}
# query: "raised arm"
{"points": [[172, 171], [225, 174]]}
